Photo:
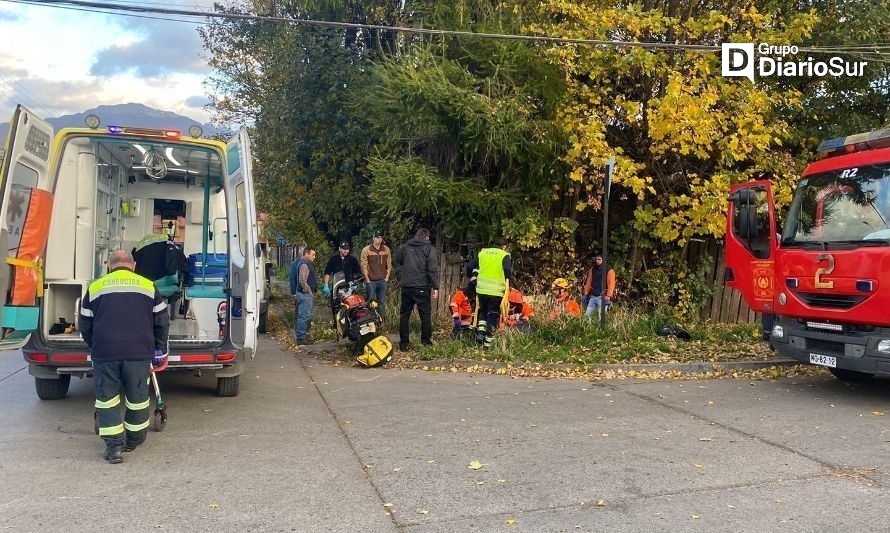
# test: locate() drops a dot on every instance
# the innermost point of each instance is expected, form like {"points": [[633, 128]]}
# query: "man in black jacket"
{"points": [[420, 282], [343, 262]]}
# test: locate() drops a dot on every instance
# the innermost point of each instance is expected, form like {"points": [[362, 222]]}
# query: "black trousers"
{"points": [[419, 296], [489, 313], [131, 377]]}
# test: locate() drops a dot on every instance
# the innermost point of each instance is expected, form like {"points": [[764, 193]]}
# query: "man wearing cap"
{"points": [[595, 294], [343, 262], [376, 264]]}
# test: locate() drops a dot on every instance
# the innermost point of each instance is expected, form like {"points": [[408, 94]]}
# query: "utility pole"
{"points": [[610, 166]]}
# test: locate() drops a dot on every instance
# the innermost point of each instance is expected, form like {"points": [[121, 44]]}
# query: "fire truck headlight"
{"points": [[782, 298], [778, 332], [884, 346]]}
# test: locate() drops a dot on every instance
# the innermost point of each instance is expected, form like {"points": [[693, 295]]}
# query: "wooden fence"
{"points": [[726, 304]]}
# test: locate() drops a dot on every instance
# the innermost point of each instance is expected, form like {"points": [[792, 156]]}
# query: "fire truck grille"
{"points": [[825, 346], [830, 301]]}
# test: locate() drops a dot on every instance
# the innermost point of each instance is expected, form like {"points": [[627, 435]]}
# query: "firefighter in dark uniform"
{"points": [[125, 321]]}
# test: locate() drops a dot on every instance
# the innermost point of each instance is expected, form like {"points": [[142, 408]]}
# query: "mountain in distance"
{"points": [[137, 115]]}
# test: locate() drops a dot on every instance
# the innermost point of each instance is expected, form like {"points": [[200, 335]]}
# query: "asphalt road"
{"points": [[311, 447]]}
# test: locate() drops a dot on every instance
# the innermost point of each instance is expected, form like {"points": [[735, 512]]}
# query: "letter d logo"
{"points": [[737, 60]]}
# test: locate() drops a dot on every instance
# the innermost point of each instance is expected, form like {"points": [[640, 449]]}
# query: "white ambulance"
{"points": [[70, 199]]}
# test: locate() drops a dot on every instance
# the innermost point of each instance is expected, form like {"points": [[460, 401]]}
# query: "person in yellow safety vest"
{"points": [[491, 268]]}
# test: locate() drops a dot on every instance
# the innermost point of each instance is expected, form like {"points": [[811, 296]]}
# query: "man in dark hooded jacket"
{"points": [[420, 282]]}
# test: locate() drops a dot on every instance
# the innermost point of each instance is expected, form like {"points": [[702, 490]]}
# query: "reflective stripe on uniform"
{"points": [[137, 406], [85, 312], [111, 289], [121, 281], [136, 427], [160, 307], [110, 431], [108, 404]]}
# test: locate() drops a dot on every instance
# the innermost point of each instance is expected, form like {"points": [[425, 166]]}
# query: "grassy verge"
{"points": [[630, 337]]}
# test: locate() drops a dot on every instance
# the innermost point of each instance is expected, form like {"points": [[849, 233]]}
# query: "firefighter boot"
{"points": [[134, 440], [114, 454]]}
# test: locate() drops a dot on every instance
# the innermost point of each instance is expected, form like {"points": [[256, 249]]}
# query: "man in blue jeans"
{"points": [[303, 284], [376, 265]]}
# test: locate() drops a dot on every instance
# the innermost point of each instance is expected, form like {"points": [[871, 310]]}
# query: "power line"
{"points": [[358, 26], [41, 3], [865, 50], [20, 96]]}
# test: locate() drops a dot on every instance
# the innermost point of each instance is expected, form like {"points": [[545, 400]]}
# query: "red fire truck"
{"points": [[826, 275]]}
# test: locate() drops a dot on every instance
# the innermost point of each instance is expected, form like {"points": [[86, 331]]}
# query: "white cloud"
{"points": [[66, 61], [163, 48], [197, 101]]}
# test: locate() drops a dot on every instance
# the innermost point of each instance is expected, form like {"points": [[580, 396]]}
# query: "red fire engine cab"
{"points": [[826, 275]]}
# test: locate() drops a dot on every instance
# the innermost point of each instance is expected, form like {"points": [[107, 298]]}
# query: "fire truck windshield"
{"points": [[844, 206]]}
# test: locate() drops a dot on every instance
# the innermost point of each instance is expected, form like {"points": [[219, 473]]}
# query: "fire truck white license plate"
{"points": [[367, 328], [824, 360]]}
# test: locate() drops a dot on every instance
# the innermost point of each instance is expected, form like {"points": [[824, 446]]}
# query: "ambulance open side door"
{"points": [[26, 206], [244, 248]]}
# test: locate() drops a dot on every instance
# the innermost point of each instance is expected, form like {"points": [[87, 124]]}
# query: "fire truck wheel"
{"points": [[52, 389], [851, 375], [228, 386]]}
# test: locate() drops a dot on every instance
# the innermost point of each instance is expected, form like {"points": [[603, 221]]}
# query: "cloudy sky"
{"points": [[84, 59]]}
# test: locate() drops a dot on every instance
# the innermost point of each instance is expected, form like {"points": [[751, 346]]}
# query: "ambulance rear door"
{"points": [[244, 249], [25, 214]]}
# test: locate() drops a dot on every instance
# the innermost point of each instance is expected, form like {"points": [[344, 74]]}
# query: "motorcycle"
{"points": [[360, 322]]}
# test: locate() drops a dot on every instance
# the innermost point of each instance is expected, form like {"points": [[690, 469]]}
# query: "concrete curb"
{"points": [[697, 367]]}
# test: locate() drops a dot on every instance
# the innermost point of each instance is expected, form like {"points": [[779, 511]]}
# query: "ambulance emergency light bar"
{"points": [[172, 135], [93, 121], [855, 143]]}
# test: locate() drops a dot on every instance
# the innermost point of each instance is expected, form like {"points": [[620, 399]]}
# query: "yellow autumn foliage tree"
{"points": [[681, 133]]}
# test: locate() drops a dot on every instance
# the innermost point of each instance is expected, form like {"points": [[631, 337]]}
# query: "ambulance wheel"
{"points": [[228, 386], [52, 389], [851, 375], [160, 419], [261, 325]]}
